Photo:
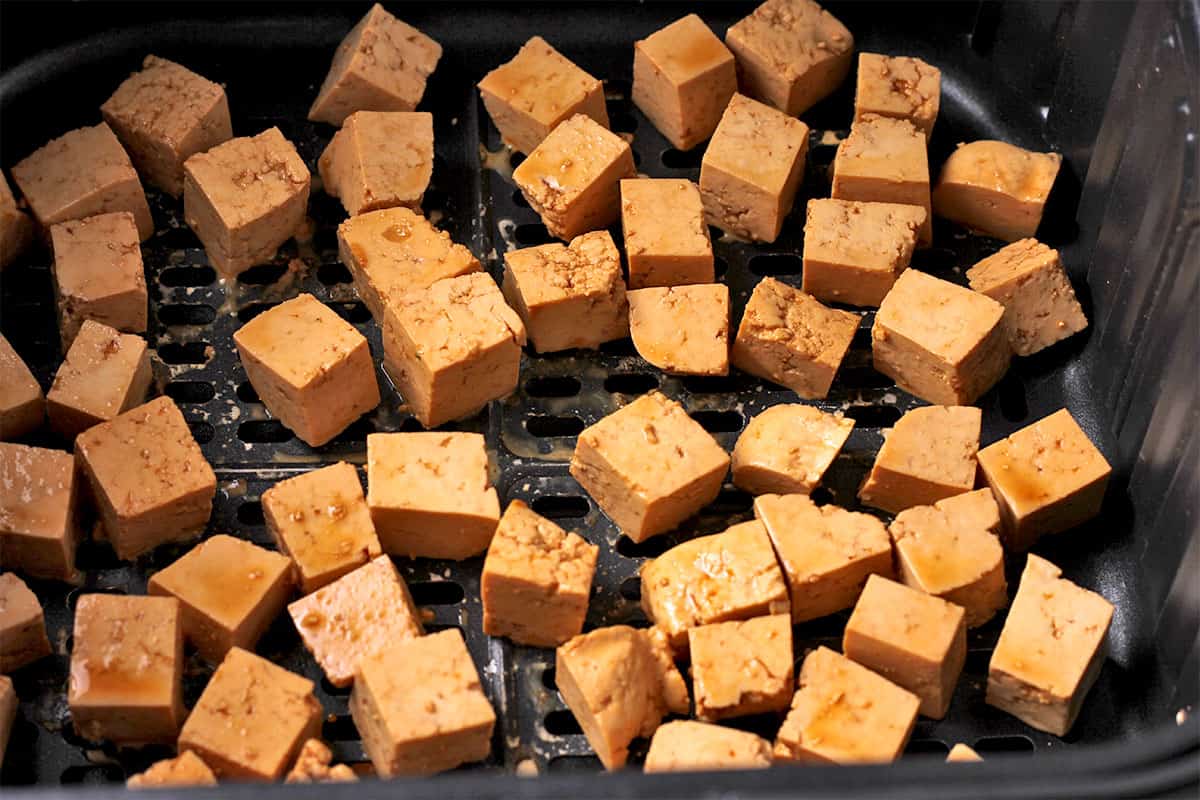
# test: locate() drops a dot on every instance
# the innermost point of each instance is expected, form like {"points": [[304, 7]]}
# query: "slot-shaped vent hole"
{"points": [[682, 159], [874, 416], [263, 431], [927, 747], [1011, 393], [186, 314], [774, 264], [621, 122], [711, 384], [202, 432], [252, 310], [519, 199], [1004, 744], [339, 729], [618, 347], [250, 512], [653, 547], [263, 274], [355, 313], [561, 723], [190, 391], [436, 593], [863, 377], [553, 386], [546, 426], [176, 277], [548, 679], [356, 432], [561, 506], [719, 421], [532, 233], [516, 159], [732, 501], [333, 274], [630, 383], [246, 393], [185, 352], [821, 496], [631, 588]]}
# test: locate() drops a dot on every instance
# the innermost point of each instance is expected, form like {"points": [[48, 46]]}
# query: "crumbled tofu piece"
{"points": [[666, 238], [741, 667], [104, 374], [16, 227], [902, 87], [961, 752], [39, 511], [884, 160], [1051, 650], [649, 466], [682, 330], [787, 448], [8, 712], [22, 625], [379, 159], [938, 341], [996, 188], [420, 708], [22, 404], [313, 766], [186, 769], [689, 746], [1047, 477]]}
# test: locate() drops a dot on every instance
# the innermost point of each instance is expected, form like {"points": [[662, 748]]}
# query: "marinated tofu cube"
{"points": [[619, 682], [244, 198], [683, 78], [16, 227], [996, 188], [80, 174], [938, 341], [229, 590], [39, 516], [902, 87], [165, 114], [22, 625], [313, 766], [358, 615], [790, 53], [1028, 279], [317, 390], [844, 713], [379, 159], [568, 296], [321, 520], [742, 667], [22, 404], [126, 682], [252, 719], [381, 65], [682, 330], [689, 746], [649, 466], [752, 169], [927, 456], [854, 252], [430, 494], [8, 712], [961, 752], [452, 348], [104, 374], [530, 95], [1054, 642], [790, 338], [1047, 477], [666, 238], [572, 178], [150, 482], [536, 580], [186, 769], [728, 576], [916, 641], [98, 274], [420, 708], [787, 448], [884, 160]]}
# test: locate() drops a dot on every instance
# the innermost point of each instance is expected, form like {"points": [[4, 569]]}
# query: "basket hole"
{"points": [[874, 416], [561, 506], [561, 723], [653, 547], [863, 378], [202, 432], [333, 274], [553, 386], [339, 729], [411, 425], [774, 264], [263, 274], [631, 588], [263, 431], [519, 199], [436, 593], [252, 310], [92, 774], [714, 384], [1004, 744], [175, 277], [618, 347], [630, 383], [1011, 393], [355, 313], [246, 393], [516, 159], [532, 233], [821, 496], [574, 764], [250, 512], [548, 678], [546, 426], [186, 314], [356, 432], [682, 159], [190, 391], [719, 421], [621, 122], [732, 501], [184, 352], [926, 747]]}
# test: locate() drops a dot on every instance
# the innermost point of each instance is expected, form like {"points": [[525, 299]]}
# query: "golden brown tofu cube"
{"points": [[961, 752], [39, 516], [884, 160], [898, 86], [649, 466], [787, 448], [22, 404], [420, 708], [186, 769], [104, 374], [379, 159], [1054, 642], [22, 625], [996, 188], [741, 667], [688, 746], [682, 330], [1047, 477], [16, 227], [8, 712], [313, 766], [666, 238]]}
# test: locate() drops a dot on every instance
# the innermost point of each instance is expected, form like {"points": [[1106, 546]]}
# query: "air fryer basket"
{"points": [[1111, 86]]}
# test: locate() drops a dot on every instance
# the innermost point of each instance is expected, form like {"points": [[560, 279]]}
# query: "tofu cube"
{"points": [[165, 114], [790, 53], [8, 711], [961, 752], [844, 713], [80, 174], [229, 590], [126, 683], [787, 448], [572, 178], [104, 374], [321, 520], [827, 553], [1054, 642], [420, 708], [452, 348], [98, 275], [666, 238], [752, 169], [568, 296], [186, 769], [530, 95], [22, 404], [916, 641], [728, 576], [927, 456], [536, 580], [901, 87], [381, 65], [854, 252], [252, 719], [682, 330], [742, 667], [938, 341], [430, 494], [150, 482], [790, 338], [360, 614], [683, 78], [22, 625], [996, 188], [1047, 477], [1028, 279], [379, 159], [16, 227], [317, 390], [39, 511], [689, 746], [244, 198], [649, 466], [313, 766], [619, 682], [884, 160]]}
